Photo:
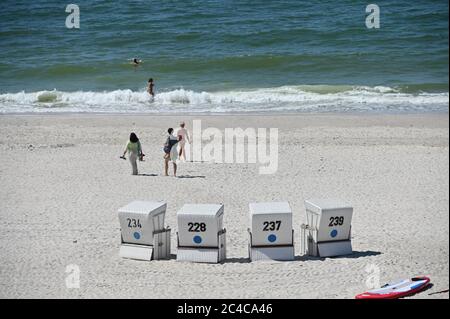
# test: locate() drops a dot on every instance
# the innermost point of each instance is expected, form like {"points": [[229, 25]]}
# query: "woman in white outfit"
{"points": [[183, 136], [170, 152], [134, 150]]}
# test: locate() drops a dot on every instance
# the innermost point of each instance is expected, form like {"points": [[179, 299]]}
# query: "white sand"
{"points": [[59, 200]]}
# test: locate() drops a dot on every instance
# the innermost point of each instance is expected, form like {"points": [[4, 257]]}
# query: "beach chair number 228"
{"points": [[197, 227], [272, 225]]}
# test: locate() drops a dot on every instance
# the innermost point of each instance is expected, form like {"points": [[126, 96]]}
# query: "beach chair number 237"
{"points": [[197, 227], [271, 226]]}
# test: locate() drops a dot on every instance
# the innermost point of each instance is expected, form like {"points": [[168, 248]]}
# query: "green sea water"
{"points": [[220, 56]]}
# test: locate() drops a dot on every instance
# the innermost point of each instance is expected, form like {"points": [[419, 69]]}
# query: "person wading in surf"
{"points": [[136, 62], [150, 86]]}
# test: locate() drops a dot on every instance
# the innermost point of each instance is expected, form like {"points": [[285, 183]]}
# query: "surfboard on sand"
{"points": [[397, 289]]}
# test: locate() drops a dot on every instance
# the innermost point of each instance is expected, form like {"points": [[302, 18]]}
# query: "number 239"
{"points": [[336, 221]]}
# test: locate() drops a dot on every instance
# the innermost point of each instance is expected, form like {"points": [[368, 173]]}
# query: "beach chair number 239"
{"points": [[197, 227], [336, 221]]}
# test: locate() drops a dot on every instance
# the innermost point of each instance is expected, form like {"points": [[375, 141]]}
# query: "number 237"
{"points": [[271, 226]]}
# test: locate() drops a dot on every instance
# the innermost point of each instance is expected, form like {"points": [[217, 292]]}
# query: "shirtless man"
{"points": [[150, 86]]}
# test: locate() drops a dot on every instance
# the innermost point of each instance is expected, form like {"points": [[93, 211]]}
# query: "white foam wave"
{"points": [[287, 98]]}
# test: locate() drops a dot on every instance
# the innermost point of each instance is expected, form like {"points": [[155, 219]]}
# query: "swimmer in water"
{"points": [[136, 62], [150, 86]]}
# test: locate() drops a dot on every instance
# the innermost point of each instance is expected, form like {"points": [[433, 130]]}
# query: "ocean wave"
{"points": [[302, 98]]}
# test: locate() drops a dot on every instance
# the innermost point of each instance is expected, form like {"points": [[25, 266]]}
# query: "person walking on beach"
{"points": [[170, 152], [183, 136], [134, 150], [150, 86]]}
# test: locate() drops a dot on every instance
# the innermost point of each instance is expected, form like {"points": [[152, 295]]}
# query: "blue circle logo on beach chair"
{"points": [[197, 239], [272, 238]]}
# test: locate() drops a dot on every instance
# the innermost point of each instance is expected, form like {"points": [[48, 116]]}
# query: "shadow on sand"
{"points": [[245, 260], [191, 176], [240, 260], [354, 255]]}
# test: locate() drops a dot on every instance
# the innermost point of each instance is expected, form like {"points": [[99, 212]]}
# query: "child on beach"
{"points": [[183, 136], [134, 150], [170, 152], [150, 86]]}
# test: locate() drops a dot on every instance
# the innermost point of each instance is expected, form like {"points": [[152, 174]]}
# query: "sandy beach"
{"points": [[62, 183]]}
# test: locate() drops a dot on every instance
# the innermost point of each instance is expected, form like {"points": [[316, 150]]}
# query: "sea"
{"points": [[224, 56]]}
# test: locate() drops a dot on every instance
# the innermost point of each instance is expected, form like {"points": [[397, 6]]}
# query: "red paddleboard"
{"points": [[397, 289]]}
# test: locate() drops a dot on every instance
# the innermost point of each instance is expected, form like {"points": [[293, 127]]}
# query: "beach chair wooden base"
{"points": [[211, 255], [336, 248], [312, 247], [277, 253], [159, 250], [272, 253], [138, 252]]}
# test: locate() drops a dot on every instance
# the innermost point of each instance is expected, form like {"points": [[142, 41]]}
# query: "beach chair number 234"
{"points": [[134, 223], [197, 227]]}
